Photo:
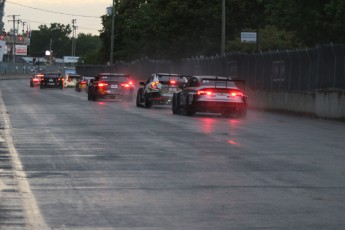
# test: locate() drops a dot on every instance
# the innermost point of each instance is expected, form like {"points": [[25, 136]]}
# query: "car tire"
{"points": [[148, 101], [88, 96], [175, 104], [94, 97], [31, 84], [190, 111], [138, 98]]}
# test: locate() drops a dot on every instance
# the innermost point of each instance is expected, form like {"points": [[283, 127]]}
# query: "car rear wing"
{"points": [[238, 82]]}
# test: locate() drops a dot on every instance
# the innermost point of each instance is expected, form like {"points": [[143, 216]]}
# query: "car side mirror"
{"points": [[142, 83]]}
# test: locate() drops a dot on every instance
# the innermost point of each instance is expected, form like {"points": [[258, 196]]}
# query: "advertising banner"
{"points": [[21, 50]]}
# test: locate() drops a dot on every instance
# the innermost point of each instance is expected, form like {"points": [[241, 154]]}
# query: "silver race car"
{"points": [[210, 94]]}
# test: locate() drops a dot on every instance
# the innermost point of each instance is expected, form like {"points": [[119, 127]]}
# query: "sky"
{"points": [[39, 12]]}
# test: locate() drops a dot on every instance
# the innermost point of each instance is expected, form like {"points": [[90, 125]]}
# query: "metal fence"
{"points": [[322, 67]]}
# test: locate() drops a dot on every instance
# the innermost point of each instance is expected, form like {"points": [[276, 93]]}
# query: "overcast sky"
{"points": [[39, 12]]}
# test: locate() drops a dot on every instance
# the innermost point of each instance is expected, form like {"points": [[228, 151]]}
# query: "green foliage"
{"points": [[54, 37], [87, 47], [173, 29], [270, 38]]}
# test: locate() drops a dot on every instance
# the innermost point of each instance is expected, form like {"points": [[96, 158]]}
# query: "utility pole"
{"points": [[14, 20], [74, 34], [111, 59], [223, 28], [23, 23]]}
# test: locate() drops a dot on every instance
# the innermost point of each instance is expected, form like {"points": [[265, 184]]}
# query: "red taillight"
{"points": [[35, 80], [83, 82], [172, 82], [236, 94], [126, 85], [102, 84], [204, 92], [130, 83]]}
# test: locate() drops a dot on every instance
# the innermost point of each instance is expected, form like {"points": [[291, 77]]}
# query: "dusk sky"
{"points": [[39, 12]]}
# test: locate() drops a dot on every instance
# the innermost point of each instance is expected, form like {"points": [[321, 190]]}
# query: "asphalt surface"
{"points": [[69, 163]]}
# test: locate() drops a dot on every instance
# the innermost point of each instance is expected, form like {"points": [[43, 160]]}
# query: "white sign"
{"points": [[248, 37], [70, 59], [21, 50]]}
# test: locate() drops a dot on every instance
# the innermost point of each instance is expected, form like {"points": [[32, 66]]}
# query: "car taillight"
{"points": [[35, 80], [236, 94], [102, 84], [204, 92], [154, 84], [172, 82], [83, 82], [126, 85]]}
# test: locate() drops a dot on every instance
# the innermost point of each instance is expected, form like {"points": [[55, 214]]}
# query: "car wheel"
{"points": [[94, 97], [175, 104], [148, 101], [138, 99], [31, 84], [190, 111], [88, 96]]}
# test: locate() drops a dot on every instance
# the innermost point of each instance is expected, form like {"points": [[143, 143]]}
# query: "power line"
{"points": [[47, 23], [53, 12]]}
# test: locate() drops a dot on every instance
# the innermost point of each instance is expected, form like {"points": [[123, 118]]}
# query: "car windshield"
{"points": [[217, 83]]}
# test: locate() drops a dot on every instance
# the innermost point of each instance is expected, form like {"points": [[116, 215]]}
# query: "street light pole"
{"points": [[111, 58], [223, 28]]}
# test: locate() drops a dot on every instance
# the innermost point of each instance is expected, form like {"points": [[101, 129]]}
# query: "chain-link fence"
{"points": [[291, 70]]}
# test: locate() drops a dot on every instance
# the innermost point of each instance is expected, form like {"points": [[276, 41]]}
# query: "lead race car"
{"points": [[159, 89], [210, 94]]}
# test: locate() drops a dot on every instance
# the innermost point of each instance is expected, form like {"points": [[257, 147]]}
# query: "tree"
{"points": [[54, 37], [87, 47]]}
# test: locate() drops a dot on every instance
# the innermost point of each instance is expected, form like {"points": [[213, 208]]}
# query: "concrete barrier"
{"points": [[324, 104]]}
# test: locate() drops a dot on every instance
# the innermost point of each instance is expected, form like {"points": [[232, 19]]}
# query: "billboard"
{"points": [[248, 37], [21, 50], [70, 59]]}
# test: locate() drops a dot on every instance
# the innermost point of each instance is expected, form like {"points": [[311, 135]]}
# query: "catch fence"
{"points": [[300, 70]]}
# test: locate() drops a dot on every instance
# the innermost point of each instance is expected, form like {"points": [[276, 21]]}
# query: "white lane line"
{"points": [[34, 219]]}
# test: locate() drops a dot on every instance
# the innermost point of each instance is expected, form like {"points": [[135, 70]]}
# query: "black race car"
{"points": [[159, 89], [111, 85], [51, 80]]}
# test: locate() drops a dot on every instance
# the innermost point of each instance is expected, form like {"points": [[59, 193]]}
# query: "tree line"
{"points": [[174, 29]]}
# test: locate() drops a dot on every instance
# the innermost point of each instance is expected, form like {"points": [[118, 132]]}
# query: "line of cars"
{"points": [[186, 94], [193, 94]]}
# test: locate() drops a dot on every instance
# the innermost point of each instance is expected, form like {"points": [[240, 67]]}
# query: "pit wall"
{"points": [[322, 103]]}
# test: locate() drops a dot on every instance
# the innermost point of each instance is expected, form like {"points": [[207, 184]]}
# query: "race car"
{"points": [[159, 89], [111, 85], [35, 80], [211, 94], [51, 80], [82, 84], [71, 80]]}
